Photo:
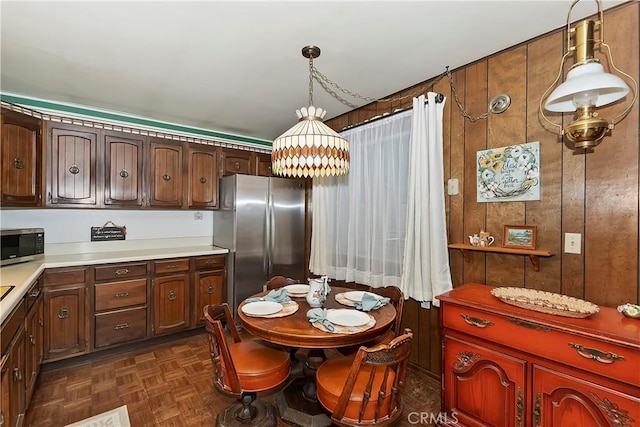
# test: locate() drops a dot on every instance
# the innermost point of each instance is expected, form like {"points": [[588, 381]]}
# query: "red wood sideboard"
{"points": [[507, 366]]}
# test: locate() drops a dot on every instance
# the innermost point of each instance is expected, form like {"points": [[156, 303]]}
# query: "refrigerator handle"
{"points": [[266, 244], [271, 233]]}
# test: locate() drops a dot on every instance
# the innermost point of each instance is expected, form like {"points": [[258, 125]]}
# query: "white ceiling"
{"points": [[236, 66]]}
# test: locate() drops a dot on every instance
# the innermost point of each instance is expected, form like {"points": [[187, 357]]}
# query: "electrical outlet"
{"points": [[452, 187], [572, 243], [197, 215]]}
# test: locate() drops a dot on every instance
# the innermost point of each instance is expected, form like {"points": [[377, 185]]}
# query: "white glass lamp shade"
{"points": [[586, 83], [310, 148]]}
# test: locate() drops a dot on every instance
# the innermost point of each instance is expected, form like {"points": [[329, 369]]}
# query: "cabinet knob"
{"points": [[34, 294], [203, 180], [74, 170], [236, 166], [210, 289], [166, 177], [32, 340], [17, 374], [63, 313], [17, 163], [124, 173], [172, 296], [537, 414]]}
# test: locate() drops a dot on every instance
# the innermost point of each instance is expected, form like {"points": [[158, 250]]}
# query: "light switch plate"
{"points": [[572, 243], [452, 187]]}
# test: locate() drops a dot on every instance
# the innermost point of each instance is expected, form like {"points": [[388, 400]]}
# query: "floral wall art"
{"points": [[509, 174]]}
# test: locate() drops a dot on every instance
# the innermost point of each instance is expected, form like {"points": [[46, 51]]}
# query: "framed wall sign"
{"points": [[509, 174], [519, 236]]}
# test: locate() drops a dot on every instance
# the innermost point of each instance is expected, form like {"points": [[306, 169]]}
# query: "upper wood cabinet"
{"points": [[237, 161], [123, 178], [203, 177], [263, 164], [72, 165], [165, 176], [21, 159]]}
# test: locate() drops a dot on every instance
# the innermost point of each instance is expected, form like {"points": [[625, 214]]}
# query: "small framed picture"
{"points": [[519, 236]]}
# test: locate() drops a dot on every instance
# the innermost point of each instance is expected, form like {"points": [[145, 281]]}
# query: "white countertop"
{"points": [[22, 276]]}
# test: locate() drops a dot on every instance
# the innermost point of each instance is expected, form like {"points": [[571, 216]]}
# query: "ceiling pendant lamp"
{"points": [[587, 87], [310, 148]]}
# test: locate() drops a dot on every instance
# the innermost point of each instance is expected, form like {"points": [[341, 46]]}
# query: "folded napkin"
{"points": [[276, 295], [370, 302], [319, 315]]}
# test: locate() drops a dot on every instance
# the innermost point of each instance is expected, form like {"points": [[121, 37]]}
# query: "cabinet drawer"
{"points": [[214, 262], [64, 276], [120, 271], [121, 326], [580, 351], [172, 266], [121, 294]]}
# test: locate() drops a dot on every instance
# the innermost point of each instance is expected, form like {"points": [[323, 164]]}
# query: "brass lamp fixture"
{"points": [[587, 86], [310, 148]]}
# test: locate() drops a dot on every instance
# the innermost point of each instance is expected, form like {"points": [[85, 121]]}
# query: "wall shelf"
{"points": [[533, 254]]}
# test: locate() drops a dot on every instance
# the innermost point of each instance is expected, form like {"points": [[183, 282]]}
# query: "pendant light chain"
{"points": [[311, 68], [330, 87]]}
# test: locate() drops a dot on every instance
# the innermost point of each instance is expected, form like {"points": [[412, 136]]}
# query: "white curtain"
{"points": [[358, 224], [426, 272]]}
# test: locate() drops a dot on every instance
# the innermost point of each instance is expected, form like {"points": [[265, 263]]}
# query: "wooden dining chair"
{"points": [[276, 282], [366, 390], [242, 369], [396, 298]]}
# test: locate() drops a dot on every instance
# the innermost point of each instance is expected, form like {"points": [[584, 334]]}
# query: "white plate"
{"points": [[261, 308], [346, 317], [356, 296], [297, 290]]}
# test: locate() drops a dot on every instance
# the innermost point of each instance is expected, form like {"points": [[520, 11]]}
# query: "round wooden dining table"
{"points": [[296, 331]]}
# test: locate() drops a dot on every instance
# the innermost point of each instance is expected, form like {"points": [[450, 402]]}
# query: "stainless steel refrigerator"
{"points": [[261, 222]]}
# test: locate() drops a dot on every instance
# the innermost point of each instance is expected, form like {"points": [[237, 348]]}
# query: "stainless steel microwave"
{"points": [[21, 244]]}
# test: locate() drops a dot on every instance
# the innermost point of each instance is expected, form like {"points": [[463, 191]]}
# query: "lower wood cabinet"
{"points": [[170, 296], [209, 284], [34, 346], [65, 309], [508, 366], [12, 369]]}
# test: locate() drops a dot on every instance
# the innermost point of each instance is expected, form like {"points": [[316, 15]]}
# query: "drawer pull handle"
{"points": [[122, 271], [40, 322], [519, 408], [32, 340], [210, 289], [595, 354], [618, 416], [17, 163], [74, 170], [172, 296], [122, 294], [171, 266], [465, 359], [474, 321], [17, 374], [203, 180], [34, 294], [63, 313], [537, 414], [121, 326], [124, 174], [529, 325]]}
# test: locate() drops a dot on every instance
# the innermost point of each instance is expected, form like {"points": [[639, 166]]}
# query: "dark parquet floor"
{"points": [[167, 384]]}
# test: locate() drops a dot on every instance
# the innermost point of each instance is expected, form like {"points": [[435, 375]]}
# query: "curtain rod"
{"points": [[439, 99]]}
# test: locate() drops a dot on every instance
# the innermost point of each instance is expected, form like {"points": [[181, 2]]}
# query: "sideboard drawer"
{"points": [[172, 266], [602, 357], [120, 294], [121, 326], [120, 271]]}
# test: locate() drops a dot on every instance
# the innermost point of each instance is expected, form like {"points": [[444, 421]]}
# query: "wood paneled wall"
{"points": [[595, 194]]}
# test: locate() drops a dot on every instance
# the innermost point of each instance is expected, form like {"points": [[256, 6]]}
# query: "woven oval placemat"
{"points": [[546, 302]]}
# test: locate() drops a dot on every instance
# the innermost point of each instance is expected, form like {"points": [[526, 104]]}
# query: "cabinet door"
{"points": [[64, 333], [171, 303], [34, 347], [209, 289], [483, 387], [12, 382], [237, 161], [203, 177], [21, 159], [563, 400], [73, 166], [263, 164], [165, 175], [123, 170]]}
